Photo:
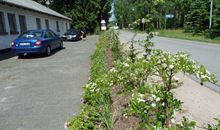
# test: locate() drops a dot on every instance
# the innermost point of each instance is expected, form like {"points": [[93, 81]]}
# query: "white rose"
{"points": [[153, 105], [164, 65], [153, 96], [171, 66], [157, 99], [140, 100], [141, 95], [113, 69], [158, 61], [126, 64]]}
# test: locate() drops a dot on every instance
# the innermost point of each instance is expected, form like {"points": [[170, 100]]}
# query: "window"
{"points": [[22, 22], [58, 28], [12, 23], [38, 21], [66, 26], [47, 24], [2, 24], [53, 34], [31, 34], [48, 35]]}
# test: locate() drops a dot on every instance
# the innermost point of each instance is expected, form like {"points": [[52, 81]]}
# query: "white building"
{"points": [[16, 16]]}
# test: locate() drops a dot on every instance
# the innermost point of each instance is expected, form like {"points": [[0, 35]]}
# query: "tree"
{"points": [[216, 20], [197, 19], [123, 11], [84, 13], [105, 10]]}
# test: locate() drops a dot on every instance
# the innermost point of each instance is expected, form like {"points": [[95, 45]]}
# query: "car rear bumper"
{"points": [[28, 50], [73, 39]]}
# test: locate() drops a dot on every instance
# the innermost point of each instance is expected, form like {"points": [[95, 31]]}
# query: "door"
{"points": [[56, 39], [49, 40]]}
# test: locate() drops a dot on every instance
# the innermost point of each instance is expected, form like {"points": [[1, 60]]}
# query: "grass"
{"points": [[180, 34]]}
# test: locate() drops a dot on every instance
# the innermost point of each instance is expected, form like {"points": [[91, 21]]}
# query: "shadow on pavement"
{"points": [[6, 54], [36, 56]]}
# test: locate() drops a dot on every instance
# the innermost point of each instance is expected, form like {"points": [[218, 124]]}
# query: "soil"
{"points": [[119, 102], [109, 58]]}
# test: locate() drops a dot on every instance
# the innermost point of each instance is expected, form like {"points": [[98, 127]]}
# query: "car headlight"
{"points": [[74, 35]]}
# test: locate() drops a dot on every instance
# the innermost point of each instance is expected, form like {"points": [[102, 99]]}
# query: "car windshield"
{"points": [[72, 31], [31, 34]]}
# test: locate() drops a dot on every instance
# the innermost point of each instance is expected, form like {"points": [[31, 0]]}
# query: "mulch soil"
{"points": [[119, 102]]}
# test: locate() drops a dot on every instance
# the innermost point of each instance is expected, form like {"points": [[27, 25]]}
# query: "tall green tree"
{"points": [[197, 19], [216, 20], [84, 13], [123, 12]]}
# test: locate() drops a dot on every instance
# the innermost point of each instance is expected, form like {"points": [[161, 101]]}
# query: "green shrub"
{"points": [[97, 100]]}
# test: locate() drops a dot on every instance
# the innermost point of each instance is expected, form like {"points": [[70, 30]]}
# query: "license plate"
{"points": [[24, 44]]}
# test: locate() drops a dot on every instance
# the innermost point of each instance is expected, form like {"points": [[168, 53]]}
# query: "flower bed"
{"points": [[135, 93], [95, 113]]}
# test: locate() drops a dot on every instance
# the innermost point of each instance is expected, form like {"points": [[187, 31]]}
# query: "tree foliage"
{"points": [[216, 20], [192, 15], [84, 13], [197, 19]]}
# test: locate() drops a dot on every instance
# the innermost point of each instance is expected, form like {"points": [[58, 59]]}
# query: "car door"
{"points": [[49, 39], [56, 39]]}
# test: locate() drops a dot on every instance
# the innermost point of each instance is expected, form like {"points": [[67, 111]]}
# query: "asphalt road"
{"points": [[41, 93], [204, 53]]}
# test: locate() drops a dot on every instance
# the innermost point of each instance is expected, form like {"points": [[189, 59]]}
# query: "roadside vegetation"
{"points": [[180, 34], [95, 113], [192, 16], [127, 92]]}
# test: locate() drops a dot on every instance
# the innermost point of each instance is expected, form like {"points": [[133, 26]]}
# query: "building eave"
{"points": [[26, 8]]}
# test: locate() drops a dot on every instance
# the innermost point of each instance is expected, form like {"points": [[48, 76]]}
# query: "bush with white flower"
{"points": [[148, 103], [152, 102], [95, 112], [129, 75], [215, 127], [134, 76]]}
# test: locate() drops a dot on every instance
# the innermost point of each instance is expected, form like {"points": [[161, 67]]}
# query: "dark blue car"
{"points": [[36, 42]]}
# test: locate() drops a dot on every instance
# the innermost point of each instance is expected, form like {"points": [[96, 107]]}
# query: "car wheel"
{"points": [[48, 51], [20, 55], [61, 45]]}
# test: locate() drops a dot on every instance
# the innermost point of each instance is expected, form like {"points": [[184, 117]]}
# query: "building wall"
{"points": [[30, 16]]}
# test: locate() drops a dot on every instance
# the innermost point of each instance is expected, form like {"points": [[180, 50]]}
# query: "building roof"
{"points": [[32, 5]]}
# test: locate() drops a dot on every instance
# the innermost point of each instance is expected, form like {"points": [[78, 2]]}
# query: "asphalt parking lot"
{"points": [[41, 93]]}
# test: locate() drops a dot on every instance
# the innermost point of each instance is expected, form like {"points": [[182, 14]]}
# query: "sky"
{"points": [[112, 18]]}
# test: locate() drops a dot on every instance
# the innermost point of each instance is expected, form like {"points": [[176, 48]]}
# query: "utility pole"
{"points": [[210, 19]]}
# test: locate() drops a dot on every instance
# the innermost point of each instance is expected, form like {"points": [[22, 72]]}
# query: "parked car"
{"points": [[84, 32], [36, 42], [72, 35]]}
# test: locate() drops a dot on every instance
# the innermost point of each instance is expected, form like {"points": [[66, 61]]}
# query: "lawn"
{"points": [[180, 34]]}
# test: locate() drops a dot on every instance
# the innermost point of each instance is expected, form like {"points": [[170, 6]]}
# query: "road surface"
{"points": [[204, 53], [41, 93]]}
